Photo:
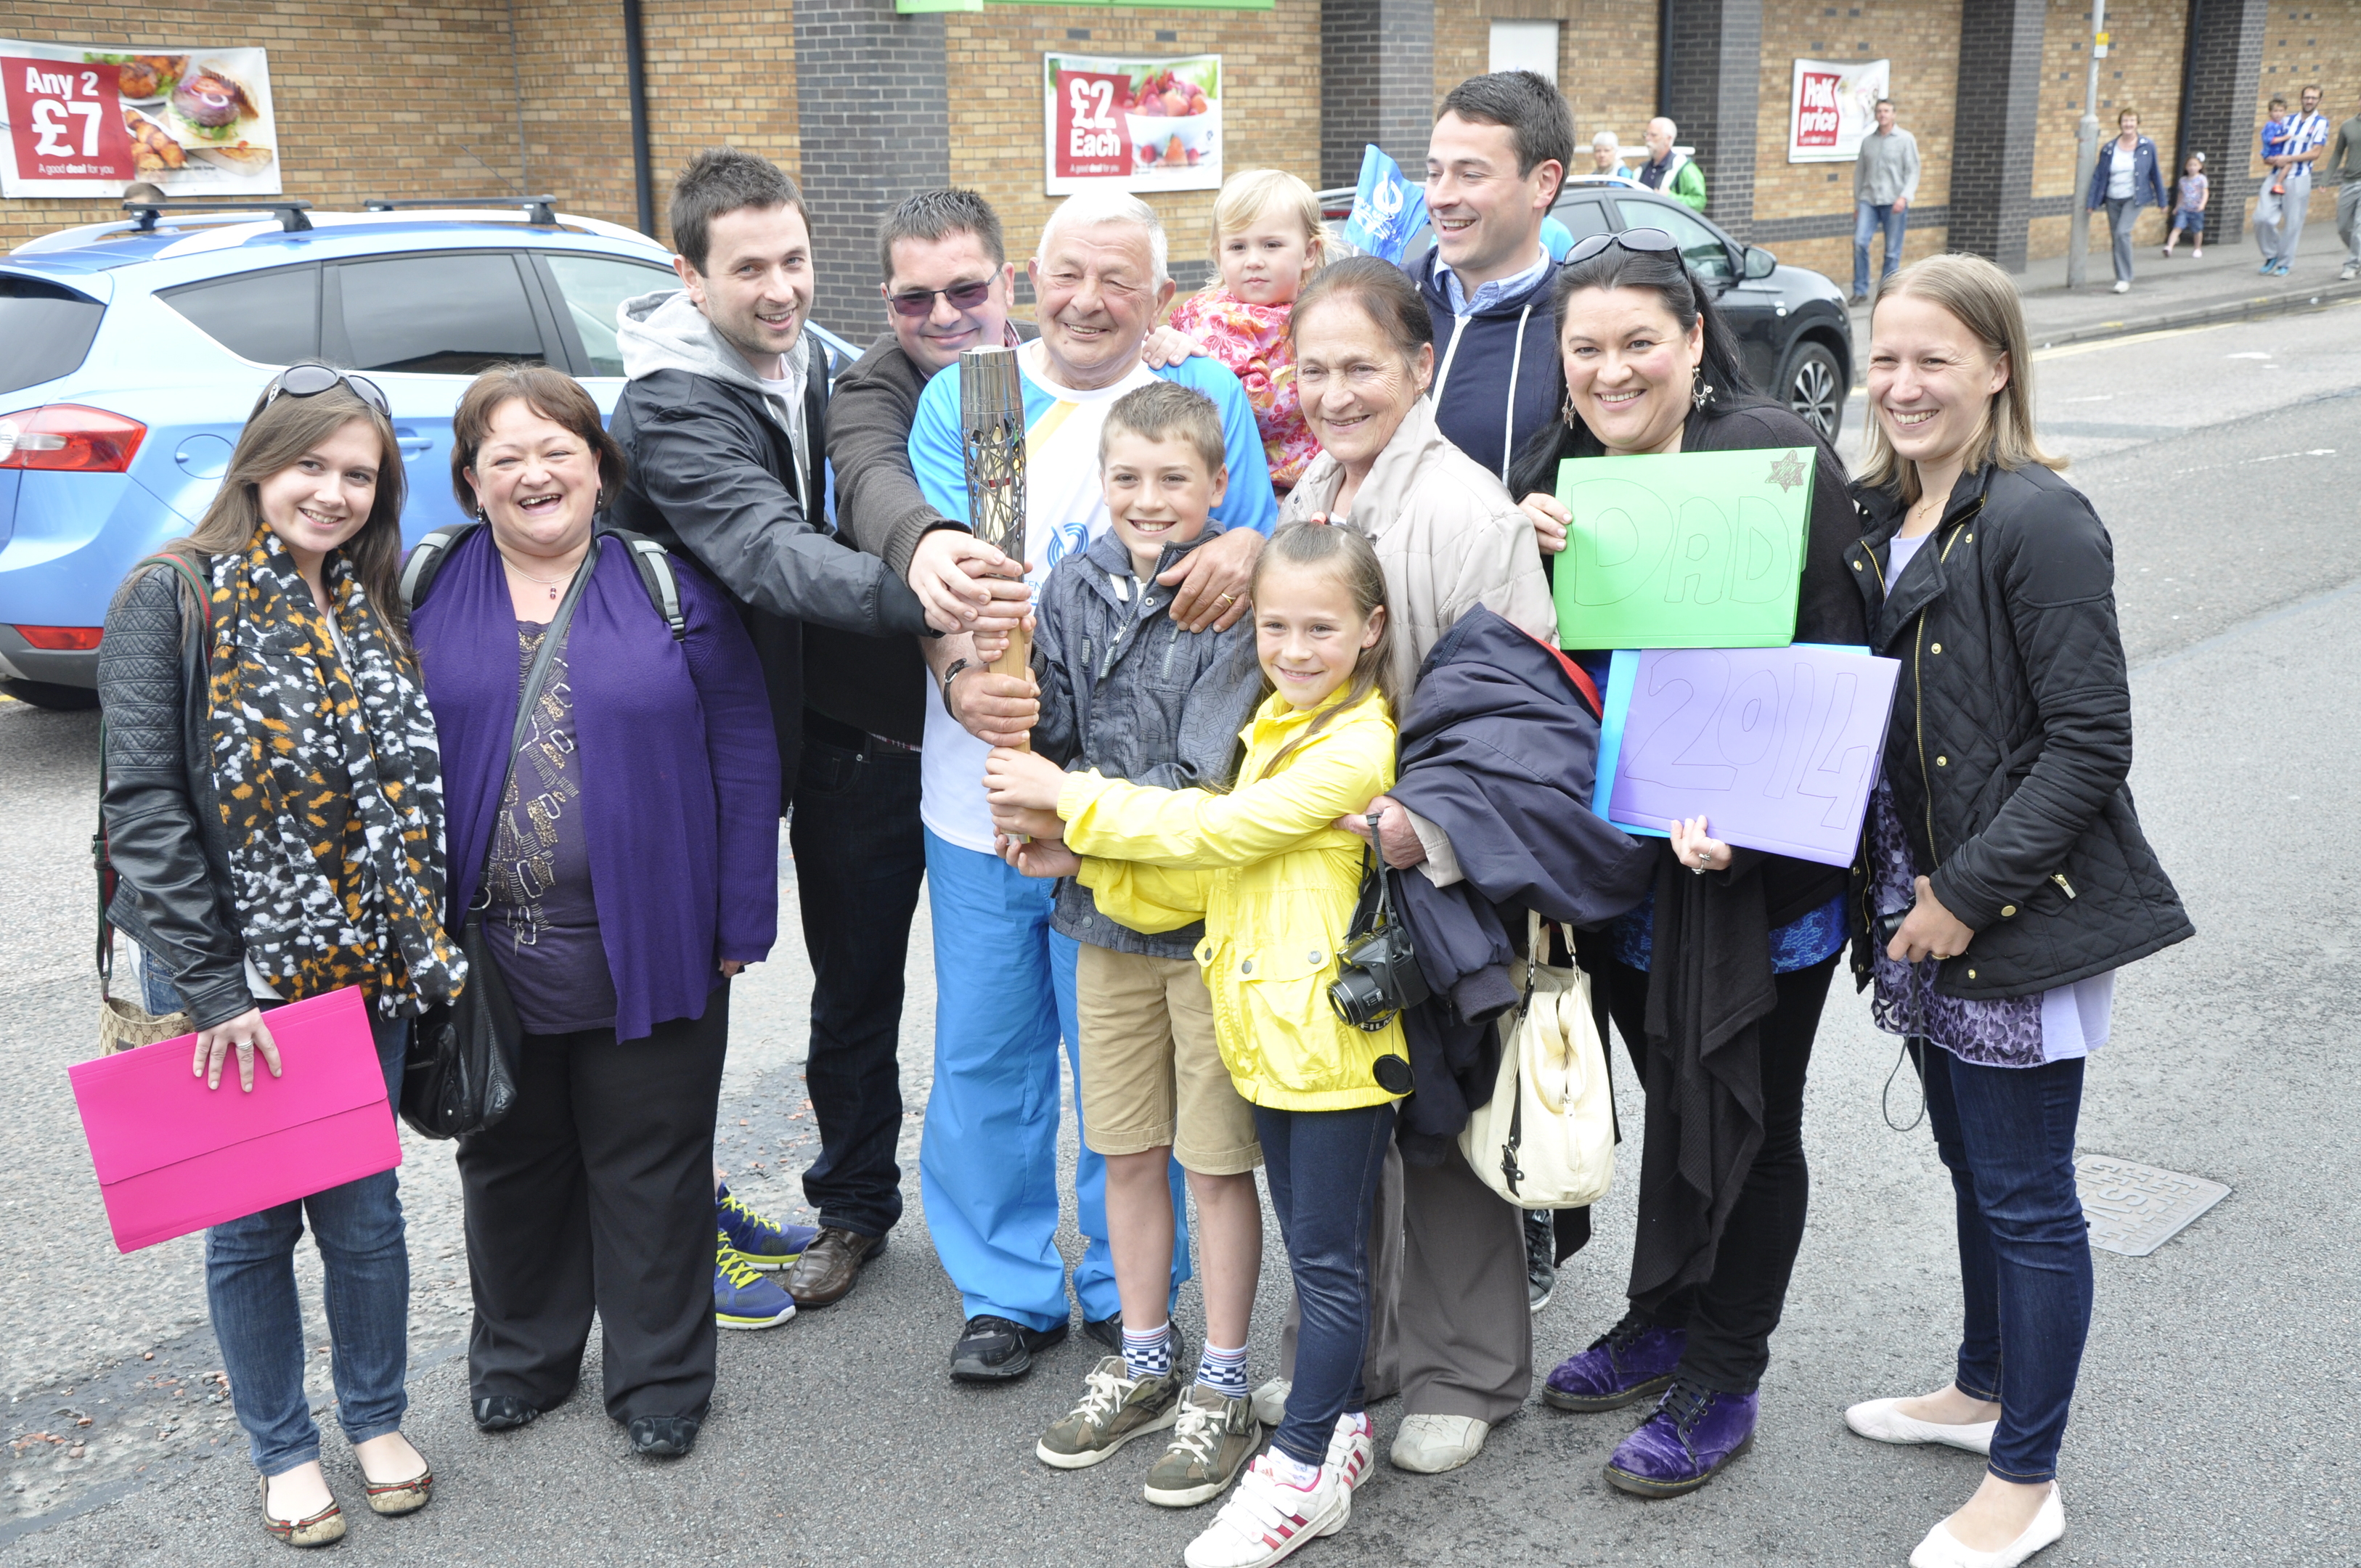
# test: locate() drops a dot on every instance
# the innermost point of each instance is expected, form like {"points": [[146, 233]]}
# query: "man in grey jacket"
{"points": [[1885, 183]]}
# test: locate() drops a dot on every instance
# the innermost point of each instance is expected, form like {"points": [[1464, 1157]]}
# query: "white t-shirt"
{"points": [[1065, 508]]}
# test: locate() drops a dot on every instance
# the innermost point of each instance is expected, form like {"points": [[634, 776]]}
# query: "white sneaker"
{"points": [[1265, 1519], [2347, 276], [1940, 1551], [1431, 1444], [1351, 1452], [1270, 1401], [1881, 1420], [2123, 287]]}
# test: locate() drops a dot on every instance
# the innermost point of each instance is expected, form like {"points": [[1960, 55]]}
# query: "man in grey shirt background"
{"points": [[1885, 183], [2343, 161]]}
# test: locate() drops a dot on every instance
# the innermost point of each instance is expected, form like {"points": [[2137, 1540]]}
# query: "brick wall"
{"points": [[2225, 50], [1922, 39], [2142, 70], [1607, 68], [1713, 94], [1377, 72], [1463, 48], [876, 127], [1270, 115], [372, 98]]}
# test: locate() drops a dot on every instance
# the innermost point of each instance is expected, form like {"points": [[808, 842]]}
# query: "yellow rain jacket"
{"points": [[1275, 882]]}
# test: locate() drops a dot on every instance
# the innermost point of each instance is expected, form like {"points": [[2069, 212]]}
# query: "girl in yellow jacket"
{"points": [[1275, 882]]}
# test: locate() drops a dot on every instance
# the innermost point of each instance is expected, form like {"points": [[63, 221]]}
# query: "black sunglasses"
{"points": [[921, 301], [1649, 241], [311, 380]]}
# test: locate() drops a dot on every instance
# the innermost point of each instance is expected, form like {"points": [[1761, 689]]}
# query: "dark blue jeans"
{"points": [[2007, 1136], [1323, 1167], [860, 858], [1869, 218]]}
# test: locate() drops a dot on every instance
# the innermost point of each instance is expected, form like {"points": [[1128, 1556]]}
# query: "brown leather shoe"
{"points": [[828, 1266]]}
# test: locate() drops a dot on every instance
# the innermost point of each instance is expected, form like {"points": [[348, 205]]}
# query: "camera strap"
{"points": [[1374, 906]]}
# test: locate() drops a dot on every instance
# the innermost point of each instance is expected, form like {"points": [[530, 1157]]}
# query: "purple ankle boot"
{"points": [[1624, 1366], [1693, 1434]]}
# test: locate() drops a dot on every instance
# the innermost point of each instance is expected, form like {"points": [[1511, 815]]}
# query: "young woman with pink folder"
{"points": [[273, 809]]}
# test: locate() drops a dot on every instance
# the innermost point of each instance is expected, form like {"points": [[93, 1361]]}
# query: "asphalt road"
{"points": [[2214, 1421]]}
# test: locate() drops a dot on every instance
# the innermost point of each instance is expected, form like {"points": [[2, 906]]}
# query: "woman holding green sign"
{"points": [[2007, 878], [1718, 981]]}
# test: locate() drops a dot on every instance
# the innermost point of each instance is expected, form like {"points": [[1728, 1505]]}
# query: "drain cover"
{"points": [[2136, 1209]]}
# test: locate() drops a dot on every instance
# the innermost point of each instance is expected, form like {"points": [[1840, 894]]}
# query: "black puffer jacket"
{"points": [[2012, 734], [162, 820]]}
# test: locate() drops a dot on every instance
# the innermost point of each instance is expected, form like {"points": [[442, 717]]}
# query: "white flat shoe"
{"points": [[1881, 1420], [1270, 1401], [1431, 1444], [1940, 1551]]}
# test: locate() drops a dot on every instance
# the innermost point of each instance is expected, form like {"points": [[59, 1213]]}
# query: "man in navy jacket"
{"points": [[1498, 154]]}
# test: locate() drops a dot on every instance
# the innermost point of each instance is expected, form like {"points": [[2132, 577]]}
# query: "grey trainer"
{"points": [[1112, 1412], [1214, 1438]]}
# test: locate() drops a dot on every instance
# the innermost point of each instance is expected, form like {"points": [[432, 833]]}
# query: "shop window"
{"points": [[1525, 46]]}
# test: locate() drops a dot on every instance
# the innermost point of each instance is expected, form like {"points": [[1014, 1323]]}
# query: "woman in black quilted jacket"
{"points": [[2007, 878]]}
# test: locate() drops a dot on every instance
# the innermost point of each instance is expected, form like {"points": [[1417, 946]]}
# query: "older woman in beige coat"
{"points": [[1450, 1327]]}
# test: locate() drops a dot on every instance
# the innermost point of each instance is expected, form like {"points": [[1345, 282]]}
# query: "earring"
{"points": [[1567, 413], [1698, 398]]}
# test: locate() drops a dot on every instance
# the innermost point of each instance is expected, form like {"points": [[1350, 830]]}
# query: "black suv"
{"points": [[1791, 324]]}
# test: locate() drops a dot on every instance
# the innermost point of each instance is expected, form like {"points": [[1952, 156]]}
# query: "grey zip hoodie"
{"points": [[666, 331]]}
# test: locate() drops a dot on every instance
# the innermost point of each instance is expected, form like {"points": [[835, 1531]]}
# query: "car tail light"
{"points": [[67, 437], [62, 638]]}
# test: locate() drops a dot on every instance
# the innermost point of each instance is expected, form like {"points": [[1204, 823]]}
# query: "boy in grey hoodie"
{"points": [[1127, 692]]}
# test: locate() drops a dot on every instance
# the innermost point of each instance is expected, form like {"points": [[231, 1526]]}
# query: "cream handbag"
{"points": [[1546, 1138]]}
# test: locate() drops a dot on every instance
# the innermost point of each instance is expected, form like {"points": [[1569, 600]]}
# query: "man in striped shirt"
{"points": [[2279, 218]]}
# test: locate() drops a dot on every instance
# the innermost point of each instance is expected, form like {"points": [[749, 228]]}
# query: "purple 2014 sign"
{"points": [[1776, 748]]}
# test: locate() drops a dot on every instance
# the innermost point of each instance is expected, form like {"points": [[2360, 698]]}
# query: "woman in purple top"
{"points": [[2007, 878], [627, 866]]}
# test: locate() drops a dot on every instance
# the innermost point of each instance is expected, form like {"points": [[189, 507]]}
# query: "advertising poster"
{"points": [[1142, 125], [1832, 105], [89, 119]]}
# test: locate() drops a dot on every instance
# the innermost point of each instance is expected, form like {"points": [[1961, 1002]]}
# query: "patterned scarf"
{"points": [[331, 788]]}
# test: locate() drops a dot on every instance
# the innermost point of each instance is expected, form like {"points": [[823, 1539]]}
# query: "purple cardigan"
{"points": [[680, 771]]}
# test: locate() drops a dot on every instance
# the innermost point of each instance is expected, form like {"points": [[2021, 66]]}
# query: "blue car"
{"points": [[130, 355]]}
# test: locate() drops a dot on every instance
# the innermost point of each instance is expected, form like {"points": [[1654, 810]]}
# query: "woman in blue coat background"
{"points": [[627, 872], [2124, 180]]}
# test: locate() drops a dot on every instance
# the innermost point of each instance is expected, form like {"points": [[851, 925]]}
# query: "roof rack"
{"points": [[541, 210], [291, 213]]}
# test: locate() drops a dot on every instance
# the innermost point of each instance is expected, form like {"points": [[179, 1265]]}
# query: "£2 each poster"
{"points": [[1132, 125], [89, 119]]}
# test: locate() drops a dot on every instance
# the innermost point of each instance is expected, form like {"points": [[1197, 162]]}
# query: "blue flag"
{"points": [[1387, 208]]}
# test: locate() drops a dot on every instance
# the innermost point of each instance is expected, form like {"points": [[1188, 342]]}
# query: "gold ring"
{"points": [[1227, 599]]}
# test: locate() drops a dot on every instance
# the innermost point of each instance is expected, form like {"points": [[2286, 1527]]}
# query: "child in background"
{"points": [[1268, 240], [1275, 882], [2277, 132], [1127, 693], [2189, 206]]}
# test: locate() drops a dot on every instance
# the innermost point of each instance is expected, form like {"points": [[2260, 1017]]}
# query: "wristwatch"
{"points": [[949, 676]]}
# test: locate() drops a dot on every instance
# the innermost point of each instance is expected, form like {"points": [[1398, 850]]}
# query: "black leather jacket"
{"points": [[163, 825], [2012, 734]]}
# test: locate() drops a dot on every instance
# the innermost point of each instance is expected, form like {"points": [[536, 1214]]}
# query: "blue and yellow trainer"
{"points": [[759, 1242], [745, 1297]]}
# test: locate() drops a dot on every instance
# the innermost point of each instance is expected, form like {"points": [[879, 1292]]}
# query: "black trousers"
{"points": [[1730, 1317], [861, 855], [596, 1194]]}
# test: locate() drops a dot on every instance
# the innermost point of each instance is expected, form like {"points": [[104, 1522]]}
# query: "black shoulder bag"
{"points": [[460, 1075]]}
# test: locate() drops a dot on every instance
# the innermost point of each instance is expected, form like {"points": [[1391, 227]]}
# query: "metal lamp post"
{"points": [[2086, 154]]}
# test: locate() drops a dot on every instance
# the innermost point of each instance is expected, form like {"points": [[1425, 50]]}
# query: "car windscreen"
{"points": [[45, 330]]}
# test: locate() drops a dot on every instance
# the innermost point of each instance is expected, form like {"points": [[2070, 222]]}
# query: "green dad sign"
{"points": [[1685, 550]]}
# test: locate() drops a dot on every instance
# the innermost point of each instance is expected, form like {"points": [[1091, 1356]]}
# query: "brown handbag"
{"points": [[125, 1026]]}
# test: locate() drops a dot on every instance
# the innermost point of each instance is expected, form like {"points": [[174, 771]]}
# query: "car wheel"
{"points": [[46, 694], [1814, 388]]}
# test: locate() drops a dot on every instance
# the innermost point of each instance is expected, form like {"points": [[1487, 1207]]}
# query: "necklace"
{"points": [[552, 584]]}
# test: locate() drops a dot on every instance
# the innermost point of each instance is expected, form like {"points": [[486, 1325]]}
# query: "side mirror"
{"points": [[1759, 262]]}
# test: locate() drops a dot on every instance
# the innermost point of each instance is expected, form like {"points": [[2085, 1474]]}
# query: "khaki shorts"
{"points": [[1152, 1076]]}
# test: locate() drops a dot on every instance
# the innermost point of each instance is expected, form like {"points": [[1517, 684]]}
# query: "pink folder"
{"points": [[174, 1157]]}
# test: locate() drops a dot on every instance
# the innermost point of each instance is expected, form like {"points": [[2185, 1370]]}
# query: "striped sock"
{"points": [[1224, 1371], [1147, 1354]]}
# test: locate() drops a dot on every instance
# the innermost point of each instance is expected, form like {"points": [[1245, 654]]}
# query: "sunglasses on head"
{"points": [[921, 301], [1649, 241], [311, 380]]}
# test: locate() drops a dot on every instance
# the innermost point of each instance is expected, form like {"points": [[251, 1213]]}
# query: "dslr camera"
{"points": [[1378, 974]]}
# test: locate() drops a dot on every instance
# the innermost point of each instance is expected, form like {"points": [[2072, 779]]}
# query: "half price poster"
{"points": [[1831, 106], [89, 119], [1134, 124]]}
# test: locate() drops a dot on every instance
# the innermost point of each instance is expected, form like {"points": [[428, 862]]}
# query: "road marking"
{"points": [[2242, 462], [2065, 350], [2253, 623]]}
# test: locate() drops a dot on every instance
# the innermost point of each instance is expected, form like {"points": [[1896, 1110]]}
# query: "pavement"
{"points": [[2187, 291], [2213, 1424]]}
